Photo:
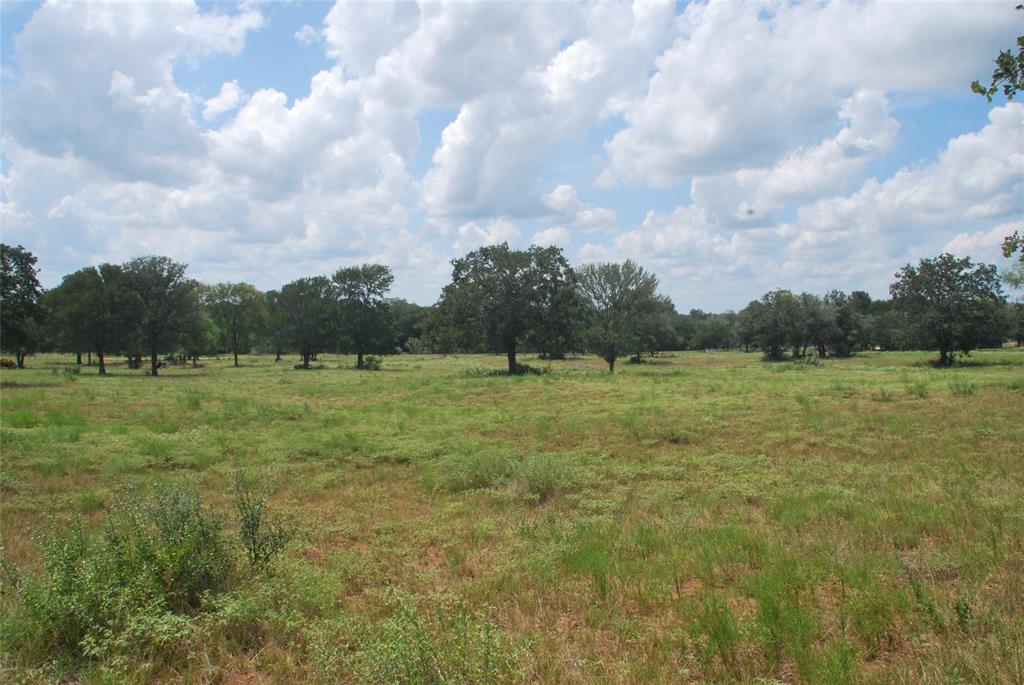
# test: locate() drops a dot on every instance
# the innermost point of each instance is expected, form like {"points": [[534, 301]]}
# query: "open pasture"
{"points": [[703, 517]]}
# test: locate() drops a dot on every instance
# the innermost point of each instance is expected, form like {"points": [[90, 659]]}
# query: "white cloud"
{"points": [[567, 207], [358, 33], [228, 99], [557, 236], [746, 82], [307, 35], [806, 173], [472, 235], [982, 245]]}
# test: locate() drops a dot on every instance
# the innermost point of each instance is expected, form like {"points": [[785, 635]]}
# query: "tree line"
{"points": [[499, 300]]}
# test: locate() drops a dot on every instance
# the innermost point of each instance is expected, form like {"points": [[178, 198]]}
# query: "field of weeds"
{"points": [[696, 518]]}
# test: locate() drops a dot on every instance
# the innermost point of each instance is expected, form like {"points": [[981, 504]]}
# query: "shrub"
{"points": [[138, 587], [155, 556], [372, 363], [261, 537]]}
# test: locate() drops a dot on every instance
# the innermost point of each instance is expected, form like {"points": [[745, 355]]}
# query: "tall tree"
{"points": [[621, 299], [776, 323], [20, 313], [499, 298], [365, 325], [167, 298], [308, 311], [236, 310], [949, 304], [97, 308]]}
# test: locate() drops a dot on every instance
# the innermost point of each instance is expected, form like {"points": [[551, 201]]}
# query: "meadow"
{"points": [[702, 517]]}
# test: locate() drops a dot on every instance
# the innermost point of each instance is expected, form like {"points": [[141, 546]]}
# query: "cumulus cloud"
{"points": [[105, 158], [558, 236], [711, 107], [228, 99], [472, 235], [567, 207], [831, 166]]}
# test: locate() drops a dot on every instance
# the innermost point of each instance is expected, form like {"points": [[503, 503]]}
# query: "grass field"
{"points": [[698, 518]]}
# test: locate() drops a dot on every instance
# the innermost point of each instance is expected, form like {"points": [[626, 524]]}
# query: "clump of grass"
{"points": [[918, 389], [447, 645], [716, 633], [883, 395], [963, 387], [542, 475], [473, 471]]}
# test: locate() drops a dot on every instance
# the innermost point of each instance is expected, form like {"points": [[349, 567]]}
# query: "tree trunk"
{"points": [[152, 363], [359, 360], [236, 356], [88, 361], [102, 362], [195, 361], [305, 360], [611, 365], [20, 356], [277, 355], [511, 353], [78, 358], [943, 356]]}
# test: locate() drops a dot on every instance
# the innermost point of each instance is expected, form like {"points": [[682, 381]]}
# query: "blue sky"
{"points": [[729, 147]]}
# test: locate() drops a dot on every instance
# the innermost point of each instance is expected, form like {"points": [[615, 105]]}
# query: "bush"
{"points": [[138, 587], [261, 537], [155, 556], [372, 363]]}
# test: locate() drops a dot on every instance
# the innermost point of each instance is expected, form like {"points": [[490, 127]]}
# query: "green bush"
{"points": [[262, 537], [138, 587], [372, 363]]}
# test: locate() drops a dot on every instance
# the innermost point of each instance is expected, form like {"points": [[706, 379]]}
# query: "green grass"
{"points": [[708, 518]]}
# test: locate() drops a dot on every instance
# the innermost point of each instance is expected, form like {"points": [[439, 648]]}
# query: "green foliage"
{"points": [[168, 304], [365, 324], [20, 313], [262, 537], [950, 304], [1008, 74], [307, 316], [623, 309], [499, 299], [446, 646], [156, 556], [237, 310], [373, 363]]}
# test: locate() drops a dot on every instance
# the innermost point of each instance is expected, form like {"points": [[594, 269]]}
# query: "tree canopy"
{"points": [[949, 304], [364, 322], [20, 313]]}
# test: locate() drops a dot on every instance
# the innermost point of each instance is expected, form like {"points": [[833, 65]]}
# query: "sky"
{"points": [[729, 147]]}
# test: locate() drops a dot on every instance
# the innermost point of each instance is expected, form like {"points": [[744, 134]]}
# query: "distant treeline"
{"points": [[499, 300]]}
